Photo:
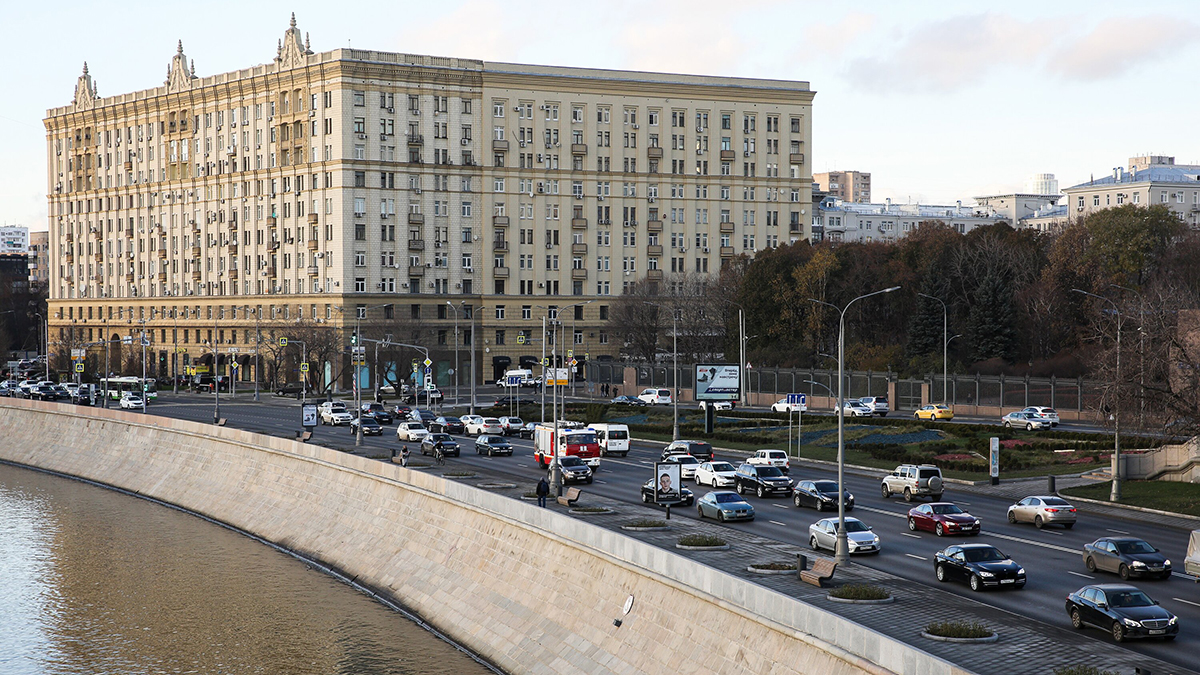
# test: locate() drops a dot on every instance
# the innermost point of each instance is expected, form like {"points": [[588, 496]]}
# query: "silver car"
{"points": [[1027, 420], [859, 537], [1042, 511], [687, 465], [1045, 413]]}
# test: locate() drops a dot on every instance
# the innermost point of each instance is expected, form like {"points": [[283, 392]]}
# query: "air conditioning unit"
{"points": [[383, 137], [517, 108], [521, 143], [465, 141], [746, 153], [391, 110], [600, 197], [706, 249], [578, 196], [635, 126], [541, 284], [437, 244], [429, 264], [683, 249], [415, 111], [549, 245], [362, 137], [652, 199], [539, 157], [404, 284], [699, 151]]}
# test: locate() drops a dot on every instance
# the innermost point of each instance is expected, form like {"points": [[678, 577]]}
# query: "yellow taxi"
{"points": [[934, 412]]}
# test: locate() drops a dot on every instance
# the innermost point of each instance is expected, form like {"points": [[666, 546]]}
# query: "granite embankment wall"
{"points": [[528, 589]]}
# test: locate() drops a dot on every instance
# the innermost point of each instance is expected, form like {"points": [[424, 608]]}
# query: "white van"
{"points": [[613, 438], [525, 374]]}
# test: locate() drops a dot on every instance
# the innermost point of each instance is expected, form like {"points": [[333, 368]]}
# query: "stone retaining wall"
{"points": [[529, 589]]}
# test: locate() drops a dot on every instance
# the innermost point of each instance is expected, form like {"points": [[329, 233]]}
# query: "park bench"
{"points": [[822, 569], [221, 422], [304, 436], [570, 497]]}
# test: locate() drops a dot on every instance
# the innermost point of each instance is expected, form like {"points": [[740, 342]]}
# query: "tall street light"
{"points": [[555, 469], [1141, 355], [842, 554], [945, 345], [1114, 494], [675, 367], [455, 310]]}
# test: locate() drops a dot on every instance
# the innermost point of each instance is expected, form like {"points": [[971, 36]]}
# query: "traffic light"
{"points": [[354, 338]]}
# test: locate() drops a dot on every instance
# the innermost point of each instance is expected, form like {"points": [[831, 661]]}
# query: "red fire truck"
{"points": [[573, 439]]}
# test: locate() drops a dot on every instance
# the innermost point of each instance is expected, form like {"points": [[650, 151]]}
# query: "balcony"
{"points": [[728, 155], [162, 254], [416, 139], [654, 250], [233, 247], [579, 275], [99, 257], [726, 228], [313, 244], [654, 225], [416, 244], [654, 275], [233, 275], [70, 258], [416, 219], [129, 278], [314, 271], [579, 249], [499, 245], [129, 166], [129, 232], [500, 272], [233, 226], [726, 251], [313, 219], [500, 146], [162, 277], [270, 221], [796, 158], [195, 275], [654, 153], [579, 148], [579, 223], [272, 271], [273, 246], [500, 221], [416, 271]]}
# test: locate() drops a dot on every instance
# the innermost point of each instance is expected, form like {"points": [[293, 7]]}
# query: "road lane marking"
{"points": [[776, 522], [913, 555], [909, 534], [1187, 602], [1117, 531], [601, 481], [781, 506], [1078, 574], [883, 511], [523, 466], [1019, 540]]}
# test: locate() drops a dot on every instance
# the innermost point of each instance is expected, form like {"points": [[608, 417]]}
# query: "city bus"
{"points": [[117, 386]]}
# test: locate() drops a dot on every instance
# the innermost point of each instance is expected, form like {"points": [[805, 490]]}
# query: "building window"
{"points": [[360, 285]]}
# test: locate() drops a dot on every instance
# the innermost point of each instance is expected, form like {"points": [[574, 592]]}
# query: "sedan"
{"points": [[980, 565], [716, 405], [1127, 556], [1024, 420], [493, 445], [856, 408], [934, 412], [820, 494], [447, 425], [132, 402], [449, 445], [44, 392], [783, 406], [686, 497], [526, 431], [485, 425], [859, 537], [942, 518], [723, 506], [687, 465], [370, 426], [411, 431], [716, 474], [1122, 610], [1044, 412], [574, 470], [1042, 511], [627, 400]]}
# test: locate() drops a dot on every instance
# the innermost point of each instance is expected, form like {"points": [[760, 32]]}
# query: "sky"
{"points": [[939, 101]]}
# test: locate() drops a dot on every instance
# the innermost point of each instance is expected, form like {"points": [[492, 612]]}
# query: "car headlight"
{"points": [[986, 574], [875, 539], [1138, 563], [1174, 620], [1020, 571], [1166, 563], [1131, 623]]}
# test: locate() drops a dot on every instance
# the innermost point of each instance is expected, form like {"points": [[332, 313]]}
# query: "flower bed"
{"points": [[959, 630]]}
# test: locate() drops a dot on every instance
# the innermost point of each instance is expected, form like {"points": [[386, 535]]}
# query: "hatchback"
{"points": [[1127, 556], [656, 396]]}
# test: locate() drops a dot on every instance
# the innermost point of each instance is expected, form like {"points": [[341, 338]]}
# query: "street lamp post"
{"points": [[1141, 355], [1115, 493], [675, 367], [473, 350], [945, 345], [455, 310], [175, 353], [842, 554]]}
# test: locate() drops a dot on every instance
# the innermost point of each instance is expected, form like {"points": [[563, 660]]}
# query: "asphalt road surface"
{"points": [[1052, 557]]}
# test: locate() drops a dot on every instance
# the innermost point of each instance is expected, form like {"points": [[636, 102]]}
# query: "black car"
{"points": [[686, 498], [980, 565], [1122, 610], [449, 445], [377, 411], [370, 427], [761, 480], [526, 431], [448, 425], [44, 393], [820, 495], [493, 445], [628, 400], [574, 470], [420, 395], [293, 389], [401, 411], [1127, 556]]}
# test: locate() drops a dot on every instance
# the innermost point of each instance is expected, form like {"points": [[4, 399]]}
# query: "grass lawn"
{"points": [[1151, 494]]}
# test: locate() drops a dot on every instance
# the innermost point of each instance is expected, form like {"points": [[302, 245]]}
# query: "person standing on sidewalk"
{"points": [[543, 489]]}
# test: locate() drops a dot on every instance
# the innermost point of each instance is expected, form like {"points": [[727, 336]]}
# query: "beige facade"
{"points": [[354, 178], [39, 259], [1149, 180], [848, 186]]}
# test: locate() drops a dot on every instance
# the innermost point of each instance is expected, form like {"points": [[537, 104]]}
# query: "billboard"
{"points": [[667, 483], [718, 382]]}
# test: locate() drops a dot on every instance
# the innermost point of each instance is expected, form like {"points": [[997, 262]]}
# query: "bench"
{"points": [[571, 496], [822, 569], [304, 436], [221, 422]]}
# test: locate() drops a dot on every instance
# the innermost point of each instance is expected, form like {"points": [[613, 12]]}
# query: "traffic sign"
{"points": [[359, 350], [78, 353], [233, 350], [546, 361], [573, 363], [428, 371], [304, 367], [79, 367], [520, 339], [428, 363], [587, 356], [430, 386], [570, 353], [282, 342], [513, 381], [797, 399], [233, 364]]}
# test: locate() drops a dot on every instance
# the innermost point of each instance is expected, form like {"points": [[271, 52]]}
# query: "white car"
{"points": [[716, 474], [687, 465], [334, 413], [468, 420], [717, 405], [1027, 420], [484, 425], [775, 458], [856, 408], [132, 401], [411, 432], [859, 537], [878, 404], [783, 406], [654, 396], [1049, 414], [511, 425]]}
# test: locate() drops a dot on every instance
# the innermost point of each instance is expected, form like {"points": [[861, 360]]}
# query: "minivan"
{"points": [[654, 396]]}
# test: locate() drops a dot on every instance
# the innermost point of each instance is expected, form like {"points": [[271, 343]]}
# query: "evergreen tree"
{"points": [[991, 323], [925, 327]]}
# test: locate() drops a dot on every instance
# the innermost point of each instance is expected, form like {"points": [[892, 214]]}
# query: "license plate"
{"points": [[1008, 581], [1157, 631]]}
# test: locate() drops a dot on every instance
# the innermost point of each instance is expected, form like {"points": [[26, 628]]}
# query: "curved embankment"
{"points": [[529, 589]]}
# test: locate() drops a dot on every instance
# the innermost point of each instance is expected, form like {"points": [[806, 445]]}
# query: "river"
{"points": [[97, 581]]}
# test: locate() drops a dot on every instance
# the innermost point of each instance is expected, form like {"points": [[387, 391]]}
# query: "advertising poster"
{"points": [[310, 415], [718, 382], [667, 483]]}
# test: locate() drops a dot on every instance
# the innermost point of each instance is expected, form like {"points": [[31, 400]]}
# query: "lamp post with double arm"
{"points": [[842, 554], [1115, 493]]}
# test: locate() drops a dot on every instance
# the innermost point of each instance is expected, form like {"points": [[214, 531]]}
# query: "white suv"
{"points": [[334, 413], [912, 481], [877, 403], [775, 458], [656, 396]]}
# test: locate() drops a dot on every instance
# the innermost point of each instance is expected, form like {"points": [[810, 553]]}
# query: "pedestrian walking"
{"points": [[543, 489], [404, 456]]}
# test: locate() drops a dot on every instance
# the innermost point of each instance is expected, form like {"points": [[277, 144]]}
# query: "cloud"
{"points": [[830, 40], [478, 29], [1116, 46]]}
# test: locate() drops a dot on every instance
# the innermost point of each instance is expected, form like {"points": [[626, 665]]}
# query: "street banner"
{"points": [[718, 382], [667, 484]]}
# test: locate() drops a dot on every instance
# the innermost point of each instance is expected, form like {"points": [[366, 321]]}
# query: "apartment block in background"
{"points": [[848, 186]]}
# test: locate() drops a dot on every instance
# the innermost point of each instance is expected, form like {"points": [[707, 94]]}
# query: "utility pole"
{"points": [[473, 350], [1115, 492], [945, 346], [456, 341], [545, 379], [175, 353]]}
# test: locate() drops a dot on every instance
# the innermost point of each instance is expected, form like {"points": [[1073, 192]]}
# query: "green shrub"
{"points": [[777, 566], [959, 629], [1083, 670], [647, 522], [701, 540], [458, 474], [860, 592], [595, 412], [590, 509]]}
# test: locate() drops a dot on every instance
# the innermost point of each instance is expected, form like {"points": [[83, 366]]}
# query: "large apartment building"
{"points": [[321, 185], [848, 186], [1149, 179]]}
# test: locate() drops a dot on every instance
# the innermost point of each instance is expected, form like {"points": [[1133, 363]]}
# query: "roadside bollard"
{"points": [[801, 564], [1050, 485]]}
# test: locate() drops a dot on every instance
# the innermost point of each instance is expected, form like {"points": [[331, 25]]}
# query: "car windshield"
{"points": [[769, 472], [1134, 547], [570, 461], [1128, 599], [988, 554], [452, 420], [1050, 411], [702, 448], [581, 439], [686, 459], [856, 526], [722, 466], [825, 486], [440, 437], [727, 498], [946, 509], [491, 420]]}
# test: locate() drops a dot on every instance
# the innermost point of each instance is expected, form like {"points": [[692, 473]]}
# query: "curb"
{"points": [[1139, 509], [849, 601], [497, 486], [724, 547], [631, 528], [579, 512], [757, 570], [966, 641]]}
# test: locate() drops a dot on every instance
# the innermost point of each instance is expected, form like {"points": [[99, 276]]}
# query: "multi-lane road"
{"points": [[1052, 557]]}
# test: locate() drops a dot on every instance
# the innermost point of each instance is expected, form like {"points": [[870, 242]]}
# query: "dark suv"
{"points": [[761, 480]]}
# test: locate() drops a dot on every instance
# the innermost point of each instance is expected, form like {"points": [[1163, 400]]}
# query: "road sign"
{"points": [[145, 342], [79, 367], [233, 350], [520, 339], [304, 367], [587, 356], [359, 350], [797, 399], [233, 364], [282, 342], [430, 385], [128, 340], [428, 371], [573, 363], [78, 353], [513, 381], [546, 361], [428, 363], [570, 353]]}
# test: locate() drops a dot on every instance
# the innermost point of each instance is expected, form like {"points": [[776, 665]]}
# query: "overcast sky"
{"points": [[939, 101]]}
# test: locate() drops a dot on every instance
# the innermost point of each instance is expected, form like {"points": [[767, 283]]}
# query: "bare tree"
{"points": [[636, 323]]}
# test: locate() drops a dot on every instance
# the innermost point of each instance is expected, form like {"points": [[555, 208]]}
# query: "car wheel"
{"points": [[908, 497], [940, 572], [1012, 518], [1028, 427], [700, 512], [1007, 424], [1123, 571], [1038, 522], [1118, 632], [1076, 620], [917, 415], [760, 492], [912, 525], [589, 481], [976, 583], [645, 498], [739, 488], [1090, 564], [720, 517], [939, 530], [812, 543], [884, 491]]}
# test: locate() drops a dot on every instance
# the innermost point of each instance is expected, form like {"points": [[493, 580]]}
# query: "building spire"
{"points": [[85, 68], [180, 47], [307, 48], [293, 24]]}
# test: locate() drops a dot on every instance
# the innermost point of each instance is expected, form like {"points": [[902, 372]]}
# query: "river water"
{"points": [[96, 581]]}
